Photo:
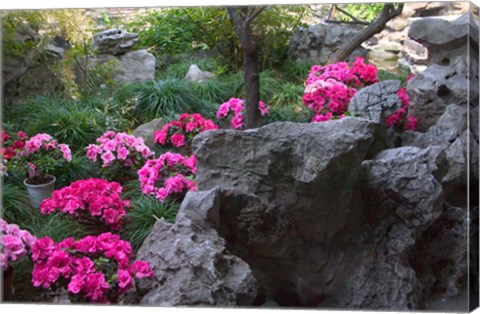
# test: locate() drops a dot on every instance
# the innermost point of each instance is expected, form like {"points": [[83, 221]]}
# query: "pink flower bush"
{"points": [[234, 107], [94, 268], [400, 120], [180, 132], [14, 243], [12, 144], [169, 175], [119, 148], [92, 201], [330, 88], [39, 155]]}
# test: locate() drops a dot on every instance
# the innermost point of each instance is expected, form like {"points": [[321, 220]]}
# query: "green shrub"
{"points": [[288, 94], [150, 100], [145, 211], [67, 121]]}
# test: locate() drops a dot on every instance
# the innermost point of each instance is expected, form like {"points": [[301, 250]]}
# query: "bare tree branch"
{"points": [[376, 26]]}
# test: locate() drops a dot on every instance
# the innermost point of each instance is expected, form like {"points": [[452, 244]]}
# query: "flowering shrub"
{"points": [[119, 154], [169, 175], [12, 144], [94, 268], [40, 155], [330, 88], [180, 133], [89, 201], [128, 150], [14, 243], [399, 120], [235, 108]]}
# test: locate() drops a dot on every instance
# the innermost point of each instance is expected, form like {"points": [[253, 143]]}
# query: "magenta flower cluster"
{"points": [[180, 132], [400, 120], [96, 268], [169, 175], [92, 200], [330, 88], [235, 108], [128, 150], [47, 143], [14, 243]]}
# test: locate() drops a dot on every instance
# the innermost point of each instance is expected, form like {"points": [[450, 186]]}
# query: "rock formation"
{"points": [[317, 42], [114, 41], [194, 74], [118, 58]]}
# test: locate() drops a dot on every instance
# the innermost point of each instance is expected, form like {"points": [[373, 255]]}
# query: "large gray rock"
{"points": [[316, 43], [285, 191], [449, 133], [138, 65], [376, 102], [402, 198], [194, 74], [114, 41], [146, 130], [435, 88], [130, 67], [191, 263], [443, 38], [442, 253], [318, 226]]}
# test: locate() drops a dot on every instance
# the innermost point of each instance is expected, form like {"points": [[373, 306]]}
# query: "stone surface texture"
{"points": [[114, 41]]}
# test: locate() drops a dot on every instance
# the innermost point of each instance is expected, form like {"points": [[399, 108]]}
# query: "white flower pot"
{"points": [[38, 193]]}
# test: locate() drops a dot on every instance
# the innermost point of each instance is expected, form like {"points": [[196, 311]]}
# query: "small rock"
{"points": [[194, 74], [114, 41]]}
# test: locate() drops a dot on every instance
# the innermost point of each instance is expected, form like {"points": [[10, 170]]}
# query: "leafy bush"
{"points": [[367, 12], [67, 121], [288, 94], [150, 100], [145, 211]]}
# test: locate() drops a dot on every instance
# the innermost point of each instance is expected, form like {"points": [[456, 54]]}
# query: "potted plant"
{"points": [[40, 155]]}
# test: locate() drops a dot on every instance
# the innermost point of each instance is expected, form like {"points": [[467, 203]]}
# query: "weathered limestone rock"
{"points": [[114, 41], [130, 67], [435, 88], [402, 197], [317, 42], [441, 253], [194, 74], [444, 39], [138, 65], [376, 102], [191, 263]]}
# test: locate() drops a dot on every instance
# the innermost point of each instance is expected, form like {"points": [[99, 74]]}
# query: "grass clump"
{"points": [[145, 211]]}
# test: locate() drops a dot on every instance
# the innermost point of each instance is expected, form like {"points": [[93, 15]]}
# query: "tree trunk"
{"points": [[376, 26], [249, 46]]}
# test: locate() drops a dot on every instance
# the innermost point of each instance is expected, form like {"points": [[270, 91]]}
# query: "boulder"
{"points": [[444, 39], [441, 253], [402, 198], [138, 65], [194, 74], [130, 67], [437, 87], [114, 41], [376, 102], [191, 263], [317, 42], [146, 130]]}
